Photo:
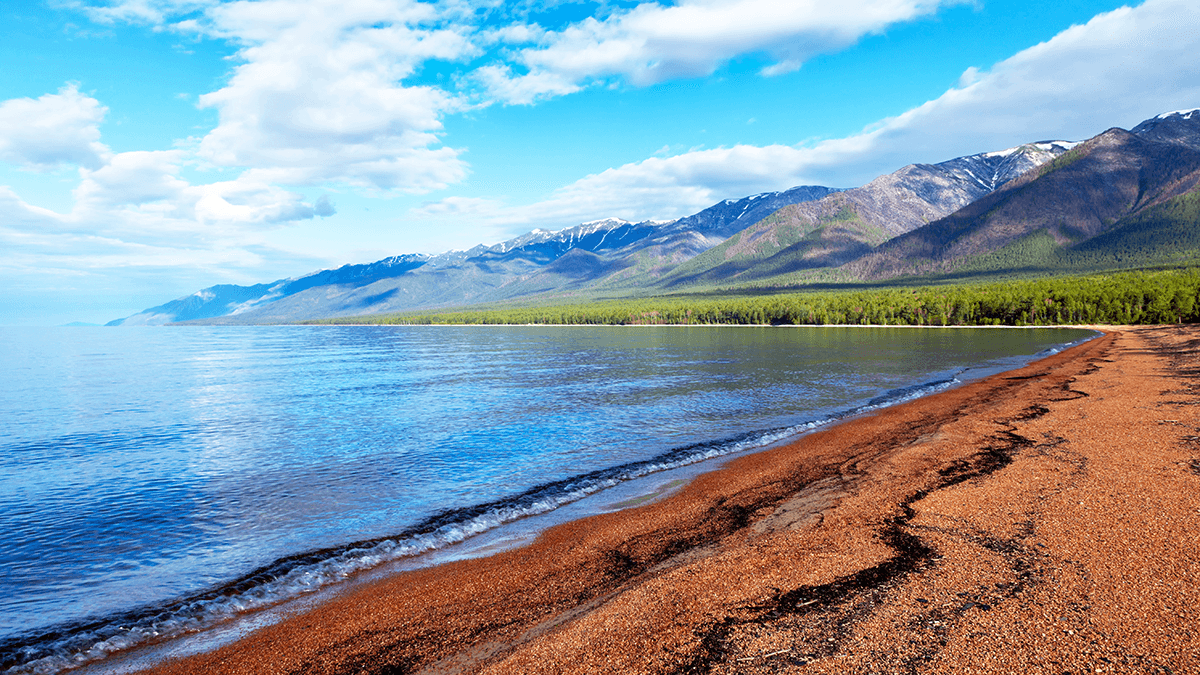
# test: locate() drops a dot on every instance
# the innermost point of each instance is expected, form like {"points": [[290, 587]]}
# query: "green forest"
{"points": [[1146, 297]]}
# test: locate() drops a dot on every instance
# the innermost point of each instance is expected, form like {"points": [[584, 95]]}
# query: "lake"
{"points": [[157, 481]]}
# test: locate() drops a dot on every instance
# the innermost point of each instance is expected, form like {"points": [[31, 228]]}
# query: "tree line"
{"points": [[1145, 297]]}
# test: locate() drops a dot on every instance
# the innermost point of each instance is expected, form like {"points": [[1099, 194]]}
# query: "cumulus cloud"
{"points": [[501, 83], [324, 207], [318, 96], [52, 130], [141, 192], [132, 178], [136, 205], [245, 201], [670, 187], [652, 43]]}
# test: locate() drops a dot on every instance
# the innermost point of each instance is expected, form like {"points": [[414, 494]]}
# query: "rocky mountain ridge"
{"points": [[841, 227]]}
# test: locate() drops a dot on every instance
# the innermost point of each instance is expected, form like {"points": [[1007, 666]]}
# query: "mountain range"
{"points": [[1120, 200]]}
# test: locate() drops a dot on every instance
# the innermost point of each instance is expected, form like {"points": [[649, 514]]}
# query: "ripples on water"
{"points": [[139, 467]]}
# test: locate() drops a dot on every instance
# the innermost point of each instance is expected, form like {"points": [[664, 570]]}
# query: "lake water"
{"points": [[156, 481]]}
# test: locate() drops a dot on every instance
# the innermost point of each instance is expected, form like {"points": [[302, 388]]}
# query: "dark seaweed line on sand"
{"points": [[911, 555]]}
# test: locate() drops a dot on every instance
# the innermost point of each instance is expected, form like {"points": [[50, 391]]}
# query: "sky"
{"points": [[150, 148]]}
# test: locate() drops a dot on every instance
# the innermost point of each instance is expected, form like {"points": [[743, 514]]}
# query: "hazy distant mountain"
{"points": [[1083, 210], [451, 278], [844, 226], [228, 299], [525, 265]]}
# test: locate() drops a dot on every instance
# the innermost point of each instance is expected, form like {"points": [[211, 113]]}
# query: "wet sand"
{"points": [[1042, 520]]}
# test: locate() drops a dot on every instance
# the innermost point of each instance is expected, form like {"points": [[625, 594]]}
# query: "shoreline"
{"points": [[1097, 327], [938, 534], [152, 649]]}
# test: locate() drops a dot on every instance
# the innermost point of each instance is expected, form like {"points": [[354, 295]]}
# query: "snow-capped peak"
{"points": [[1185, 114], [606, 221], [1044, 146], [1050, 145]]}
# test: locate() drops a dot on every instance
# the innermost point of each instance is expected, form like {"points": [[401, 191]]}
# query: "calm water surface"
{"points": [[144, 473]]}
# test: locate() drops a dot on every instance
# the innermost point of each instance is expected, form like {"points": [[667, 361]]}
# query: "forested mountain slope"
{"points": [[1130, 189]]}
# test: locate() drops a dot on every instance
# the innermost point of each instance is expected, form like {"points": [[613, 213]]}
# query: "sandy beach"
{"points": [[1043, 520]]}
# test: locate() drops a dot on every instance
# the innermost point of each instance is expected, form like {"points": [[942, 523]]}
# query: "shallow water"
{"points": [[145, 470]]}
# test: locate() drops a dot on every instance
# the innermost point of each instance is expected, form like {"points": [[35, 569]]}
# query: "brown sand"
{"points": [[1044, 520]]}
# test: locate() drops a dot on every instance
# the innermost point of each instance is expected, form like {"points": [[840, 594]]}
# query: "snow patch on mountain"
{"points": [[991, 170], [1185, 114]]}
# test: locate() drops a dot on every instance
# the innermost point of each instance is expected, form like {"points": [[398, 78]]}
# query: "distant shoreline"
{"points": [[1096, 327]]}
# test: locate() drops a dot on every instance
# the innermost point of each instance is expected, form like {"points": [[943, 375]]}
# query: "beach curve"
{"points": [[1015, 522]]}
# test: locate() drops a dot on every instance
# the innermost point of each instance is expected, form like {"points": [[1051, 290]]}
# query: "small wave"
{"points": [[1051, 351], [78, 644]]}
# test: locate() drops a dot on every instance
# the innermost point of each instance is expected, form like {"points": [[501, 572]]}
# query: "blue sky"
{"points": [[149, 148]]}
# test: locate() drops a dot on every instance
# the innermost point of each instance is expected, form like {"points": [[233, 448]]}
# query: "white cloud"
{"points": [[141, 192], [969, 77], [653, 43], [41, 242], [318, 97], [132, 178], [52, 130], [523, 89], [245, 201], [781, 68], [670, 187], [142, 11], [458, 207], [135, 212], [514, 34], [18, 215]]}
